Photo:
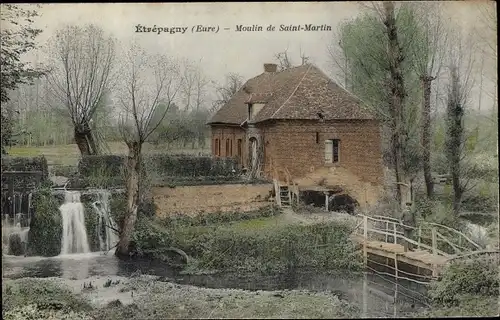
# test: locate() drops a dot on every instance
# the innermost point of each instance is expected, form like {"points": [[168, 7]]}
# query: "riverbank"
{"points": [[147, 297]]}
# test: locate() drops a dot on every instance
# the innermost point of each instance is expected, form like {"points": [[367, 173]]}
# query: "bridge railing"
{"points": [[391, 230], [435, 238]]}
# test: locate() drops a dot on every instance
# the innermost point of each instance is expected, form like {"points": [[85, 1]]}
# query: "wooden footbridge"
{"points": [[430, 247]]}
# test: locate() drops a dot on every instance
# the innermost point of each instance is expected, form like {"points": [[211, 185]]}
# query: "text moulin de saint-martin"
{"points": [[239, 28]]}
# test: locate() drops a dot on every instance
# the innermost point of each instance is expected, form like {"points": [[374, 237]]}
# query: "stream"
{"points": [[376, 295]]}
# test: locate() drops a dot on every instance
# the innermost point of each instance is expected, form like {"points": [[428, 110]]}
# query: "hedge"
{"points": [[25, 164], [107, 170]]}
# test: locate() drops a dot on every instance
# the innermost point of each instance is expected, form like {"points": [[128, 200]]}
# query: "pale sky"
{"points": [[225, 51]]}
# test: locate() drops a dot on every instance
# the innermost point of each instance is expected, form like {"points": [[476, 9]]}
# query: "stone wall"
{"points": [[192, 200]]}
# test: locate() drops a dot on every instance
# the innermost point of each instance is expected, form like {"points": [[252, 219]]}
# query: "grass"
{"points": [[153, 299], [69, 154]]}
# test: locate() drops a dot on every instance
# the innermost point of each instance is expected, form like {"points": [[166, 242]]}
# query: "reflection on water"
{"points": [[77, 266], [376, 296]]}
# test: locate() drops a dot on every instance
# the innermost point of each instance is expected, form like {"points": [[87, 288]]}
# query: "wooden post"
{"points": [[386, 230], [326, 201], [395, 233], [365, 239], [396, 274], [434, 240], [419, 236], [365, 296], [396, 291], [434, 250]]}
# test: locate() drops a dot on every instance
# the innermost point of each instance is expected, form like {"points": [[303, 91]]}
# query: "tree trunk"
{"points": [[426, 134], [82, 143], [397, 93], [454, 141], [133, 172]]}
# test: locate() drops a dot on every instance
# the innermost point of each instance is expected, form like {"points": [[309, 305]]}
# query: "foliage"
{"points": [[189, 166], [44, 237], [152, 235], [109, 163], [107, 170], [183, 220], [470, 277], [64, 171], [363, 42], [436, 211], [467, 306], [25, 164], [91, 220], [149, 239], [43, 295], [17, 38], [258, 246], [482, 198]]}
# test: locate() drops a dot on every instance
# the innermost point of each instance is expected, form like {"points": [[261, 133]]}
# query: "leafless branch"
{"points": [[147, 82]]}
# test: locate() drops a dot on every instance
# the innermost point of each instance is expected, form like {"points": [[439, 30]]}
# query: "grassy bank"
{"points": [[468, 289], [273, 243], [153, 299]]}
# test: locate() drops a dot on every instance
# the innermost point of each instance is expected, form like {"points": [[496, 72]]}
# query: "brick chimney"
{"points": [[270, 67]]}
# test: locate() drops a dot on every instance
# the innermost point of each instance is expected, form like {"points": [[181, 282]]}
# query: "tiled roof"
{"points": [[298, 93]]}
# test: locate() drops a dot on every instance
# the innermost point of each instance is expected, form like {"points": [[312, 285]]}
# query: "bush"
{"points": [[65, 171], [482, 198], [183, 220], [112, 164], [277, 248], [471, 277], [192, 166], [44, 237], [91, 220], [45, 294], [107, 171], [25, 164], [149, 239]]}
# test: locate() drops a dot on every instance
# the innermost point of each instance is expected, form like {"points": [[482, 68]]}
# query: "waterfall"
{"points": [[74, 237], [478, 234], [107, 236], [11, 229]]}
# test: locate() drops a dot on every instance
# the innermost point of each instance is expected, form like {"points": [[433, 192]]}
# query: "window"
{"points": [[217, 147], [229, 148], [250, 107], [332, 150], [239, 147]]}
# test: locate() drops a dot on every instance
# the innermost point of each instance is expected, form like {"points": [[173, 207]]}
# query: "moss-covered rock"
{"points": [[16, 247], [44, 237], [91, 221]]}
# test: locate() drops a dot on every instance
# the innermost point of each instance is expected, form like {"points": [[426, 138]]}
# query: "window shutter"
{"points": [[328, 151]]}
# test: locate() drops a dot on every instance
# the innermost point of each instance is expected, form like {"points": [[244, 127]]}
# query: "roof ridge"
{"points": [[293, 92]]}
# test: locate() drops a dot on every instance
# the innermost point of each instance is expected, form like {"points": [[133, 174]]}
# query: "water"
{"points": [[12, 228], [108, 238], [479, 234], [376, 295], [74, 237]]}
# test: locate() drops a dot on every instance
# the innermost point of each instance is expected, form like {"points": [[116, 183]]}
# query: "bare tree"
{"points": [[285, 62], [147, 81], [81, 72], [193, 94], [460, 84], [428, 54], [226, 91]]}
